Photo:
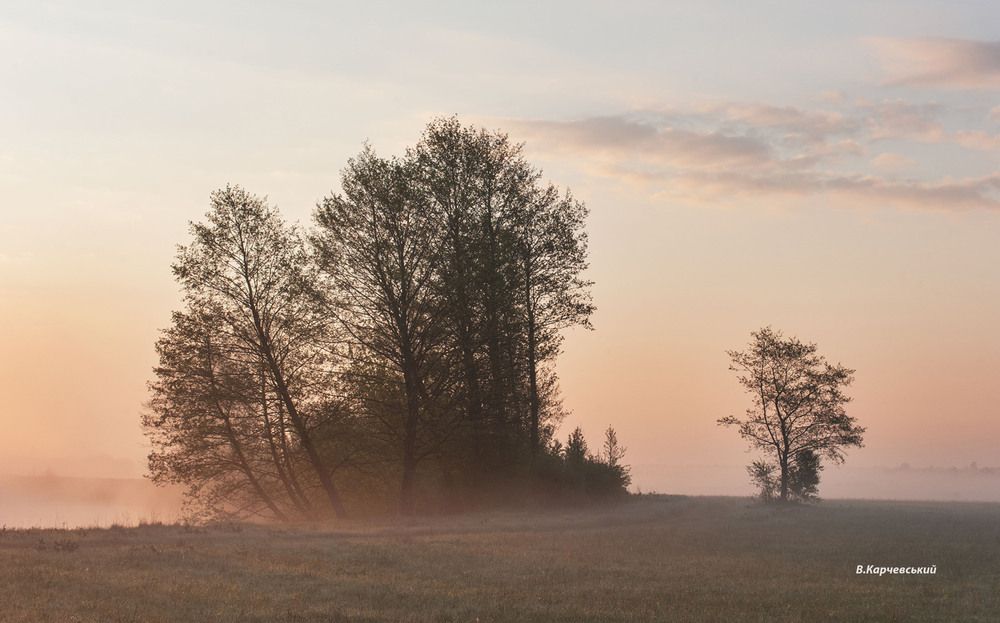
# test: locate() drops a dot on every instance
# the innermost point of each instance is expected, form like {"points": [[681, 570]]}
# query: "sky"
{"points": [[828, 169]]}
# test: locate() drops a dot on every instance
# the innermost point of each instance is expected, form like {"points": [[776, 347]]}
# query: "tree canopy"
{"points": [[798, 413], [402, 348]]}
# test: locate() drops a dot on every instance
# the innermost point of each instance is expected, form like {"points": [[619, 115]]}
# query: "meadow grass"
{"points": [[652, 558]]}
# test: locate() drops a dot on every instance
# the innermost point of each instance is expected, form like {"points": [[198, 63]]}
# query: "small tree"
{"points": [[613, 452], [576, 451], [612, 456], [798, 411], [762, 476], [600, 476], [804, 479]]}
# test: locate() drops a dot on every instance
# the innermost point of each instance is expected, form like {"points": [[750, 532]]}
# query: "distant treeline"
{"points": [[972, 468], [397, 356]]}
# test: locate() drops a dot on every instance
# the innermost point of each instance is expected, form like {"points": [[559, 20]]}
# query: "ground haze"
{"points": [[659, 558]]}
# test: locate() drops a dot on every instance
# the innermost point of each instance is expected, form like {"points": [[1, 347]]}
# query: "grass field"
{"points": [[654, 558]]}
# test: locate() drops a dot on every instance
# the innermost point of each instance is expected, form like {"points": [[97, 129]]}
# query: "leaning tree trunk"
{"points": [[281, 386]]}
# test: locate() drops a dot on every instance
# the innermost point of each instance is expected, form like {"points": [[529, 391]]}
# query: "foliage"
{"points": [[509, 260], [406, 342], [798, 413], [593, 477], [576, 451], [762, 476], [243, 407], [803, 479], [377, 245]]}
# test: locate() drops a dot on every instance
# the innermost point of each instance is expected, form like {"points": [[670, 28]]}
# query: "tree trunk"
{"points": [[237, 447], [406, 493], [322, 472], [783, 462], [286, 476], [533, 398]]}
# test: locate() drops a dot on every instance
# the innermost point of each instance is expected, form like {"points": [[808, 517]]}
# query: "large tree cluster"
{"points": [[399, 355]]}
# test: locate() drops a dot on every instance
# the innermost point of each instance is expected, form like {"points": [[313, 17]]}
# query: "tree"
{"points": [[552, 252], [419, 329], [203, 424], [600, 476], [762, 476], [480, 184], [576, 450], [804, 479], [249, 361], [798, 411], [612, 456], [613, 452], [378, 244], [512, 252]]}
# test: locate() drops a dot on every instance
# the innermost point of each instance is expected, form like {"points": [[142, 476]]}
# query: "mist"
{"points": [[50, 500], [962, 484], [53, 501]]}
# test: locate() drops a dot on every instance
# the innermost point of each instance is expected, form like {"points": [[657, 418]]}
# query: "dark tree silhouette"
{"points": [[804, 479], [378, 244], [419, 331], [203, 420], [576, 451], [252, 311], [512, 252], [798, 409], [480, 184], [552, 254]]}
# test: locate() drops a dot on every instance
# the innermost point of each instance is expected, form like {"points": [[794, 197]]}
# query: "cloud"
{"points": [[714, 136], [723, 151], [858, 190], [619, 138], [977, 139], [898, 119], [939, 62], [901, 119], [890, 161], [948, 195], [814, 123], [832, 97]]}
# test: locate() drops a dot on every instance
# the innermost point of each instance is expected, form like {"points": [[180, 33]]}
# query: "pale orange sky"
{"points": [[835, 176]]}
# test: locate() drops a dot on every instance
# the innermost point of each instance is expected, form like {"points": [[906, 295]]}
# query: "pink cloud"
{"points": [[977, 139], [721, 151], [832, 97], [898, 119], [890, 161], [858, 190], [810, 126], [940, 62], [947, 195], [901, 119], [618, 138]]}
